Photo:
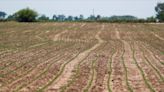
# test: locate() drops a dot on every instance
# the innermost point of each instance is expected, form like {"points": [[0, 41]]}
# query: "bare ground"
{"points": [[81, 57], [67, 72]]}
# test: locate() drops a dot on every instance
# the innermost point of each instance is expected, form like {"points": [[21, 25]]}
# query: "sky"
{"points": [[138, 8]]}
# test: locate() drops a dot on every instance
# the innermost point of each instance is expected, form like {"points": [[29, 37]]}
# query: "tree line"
{"points": [[29, 15]]}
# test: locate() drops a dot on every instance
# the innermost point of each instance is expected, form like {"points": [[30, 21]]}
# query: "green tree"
{"points": [[11, 18], [98, 17], [43, 18], [26, 15], [2, 15], [76, 18], [160, 12], [61, 18], [54, 17], [81, 17], [91, 18], [151, 19], [70, 18]]}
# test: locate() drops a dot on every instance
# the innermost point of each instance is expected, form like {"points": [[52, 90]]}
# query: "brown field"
{"points": [[81, 57]]}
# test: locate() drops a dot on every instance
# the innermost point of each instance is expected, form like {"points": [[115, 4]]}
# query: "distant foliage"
{"points": [[61, 18], [26, 15], [11, 18], [2, 15], [123, 18], [160, 12], [151, 19], [29, 15], [81, 17], [43, 18]]}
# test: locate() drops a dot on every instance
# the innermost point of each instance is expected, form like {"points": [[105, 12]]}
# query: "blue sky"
{"points": [[139, 8]]}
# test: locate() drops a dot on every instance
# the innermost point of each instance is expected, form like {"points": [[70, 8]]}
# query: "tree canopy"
{"points": [[26, 15], [2, 15], [160, 12]]}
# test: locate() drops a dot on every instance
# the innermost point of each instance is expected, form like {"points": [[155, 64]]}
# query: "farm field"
{"points": [[81, 57]]}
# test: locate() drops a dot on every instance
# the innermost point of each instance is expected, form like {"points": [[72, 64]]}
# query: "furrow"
{"points": [[141, 71]]}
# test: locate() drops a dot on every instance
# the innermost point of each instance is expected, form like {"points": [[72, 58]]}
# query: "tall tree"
{"points": [[54, 17], [70, 18], [160, 12], [81, 17], [61, 18], [92, 18], [98, 17], [2, 15], [76, 18]]}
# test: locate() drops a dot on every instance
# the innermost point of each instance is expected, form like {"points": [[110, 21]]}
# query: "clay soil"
{"points": [[81, 57]]}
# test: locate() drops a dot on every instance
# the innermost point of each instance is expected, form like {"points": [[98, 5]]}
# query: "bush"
{"points": [[26, 15]]}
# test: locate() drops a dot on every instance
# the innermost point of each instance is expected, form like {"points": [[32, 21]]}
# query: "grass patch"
{"points": [[162, 53]]}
